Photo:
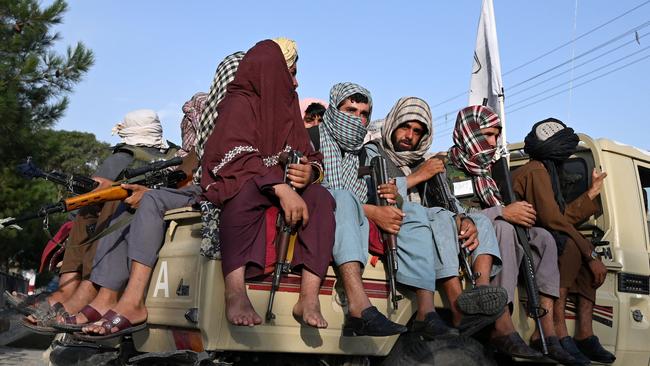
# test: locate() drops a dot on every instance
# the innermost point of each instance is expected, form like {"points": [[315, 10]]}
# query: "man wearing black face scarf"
{"points": [[550, 144]]}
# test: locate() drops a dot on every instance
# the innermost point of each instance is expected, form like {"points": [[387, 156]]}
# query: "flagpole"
{"points": [[502, 114]]}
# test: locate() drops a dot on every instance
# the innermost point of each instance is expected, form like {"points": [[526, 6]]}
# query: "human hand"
{"points": [[430, 168], [293, 206], [599, 271], [137, 191], [388, 218], [388, 191], [596, 183], [468, 233], [300, 175], [520, 213]]}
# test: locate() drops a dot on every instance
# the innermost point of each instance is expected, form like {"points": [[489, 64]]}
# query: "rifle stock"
{"points": [[282, 239], [534, 308]]}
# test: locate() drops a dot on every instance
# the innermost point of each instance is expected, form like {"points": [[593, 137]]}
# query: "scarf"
{"points": [[223, 76], [258, 118], [189, 125], [472, 153], [407, 109], [341, 140], [289, 50], [141, 128], [551, 142]]}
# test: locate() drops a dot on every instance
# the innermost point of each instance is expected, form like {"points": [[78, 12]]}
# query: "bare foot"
{"points": [[309, 312], [239, 310]]}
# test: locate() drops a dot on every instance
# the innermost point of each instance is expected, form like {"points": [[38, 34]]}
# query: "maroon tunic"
{"points": [[258, 118]]}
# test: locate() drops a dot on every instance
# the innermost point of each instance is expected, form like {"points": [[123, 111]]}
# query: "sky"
{"points": [[157, 54]]}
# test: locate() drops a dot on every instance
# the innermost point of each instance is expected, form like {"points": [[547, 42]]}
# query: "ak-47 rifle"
{"points": [[501, 173], [153, 175], [379, 175], [437, 193], [75, 183], [283, 237]]}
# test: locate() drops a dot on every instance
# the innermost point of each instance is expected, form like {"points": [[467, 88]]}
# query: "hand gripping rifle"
{"points": [[437, 193], [75, 183], [153, 175], [282, 238], [379, 175], [501, 173]]}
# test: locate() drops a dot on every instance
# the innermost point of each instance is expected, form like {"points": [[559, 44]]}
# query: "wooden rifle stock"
{"points": [[282, 239]]}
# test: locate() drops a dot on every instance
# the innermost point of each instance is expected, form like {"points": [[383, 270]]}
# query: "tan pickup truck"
{"points": [[186, 303]]}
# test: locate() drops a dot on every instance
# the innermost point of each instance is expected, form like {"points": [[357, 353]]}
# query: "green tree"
{"points": [[66, 151], [34, 80]]}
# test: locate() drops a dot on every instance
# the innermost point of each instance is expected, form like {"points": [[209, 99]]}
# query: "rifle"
{"points": [[437, 193], [379, 175], [75, 183], [153, 175], [283, 237], [501, 171]]}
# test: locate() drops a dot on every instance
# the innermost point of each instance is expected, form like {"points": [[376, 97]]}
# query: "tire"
{"points": [[444, 351]]}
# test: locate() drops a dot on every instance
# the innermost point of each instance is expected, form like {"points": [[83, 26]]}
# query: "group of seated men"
{"points": [[238, 131]]}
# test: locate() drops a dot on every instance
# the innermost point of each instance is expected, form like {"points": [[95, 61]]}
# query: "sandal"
{"points": [[70, 324], [27, 304], [113, 320]]}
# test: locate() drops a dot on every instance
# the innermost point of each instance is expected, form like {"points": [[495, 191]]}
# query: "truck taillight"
{"points": [[633, 283]]}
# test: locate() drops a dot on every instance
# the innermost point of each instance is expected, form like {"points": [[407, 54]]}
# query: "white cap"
{"points": [[547, 129]]}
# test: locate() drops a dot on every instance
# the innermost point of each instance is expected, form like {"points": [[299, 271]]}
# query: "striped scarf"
{"points": [[341, 140], [407, 109], [472, 153], [192, 110], [224, 75]]}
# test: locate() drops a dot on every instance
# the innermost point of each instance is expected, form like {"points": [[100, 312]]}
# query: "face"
{"points": [[407, 136], [491, 134], [361, 110], [293, 70], [312, 120]]}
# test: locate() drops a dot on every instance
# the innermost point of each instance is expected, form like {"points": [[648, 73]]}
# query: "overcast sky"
{"points": [[157, 54]]}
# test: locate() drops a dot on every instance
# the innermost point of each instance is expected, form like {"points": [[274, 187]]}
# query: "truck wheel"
{"points": [[444, 351]]}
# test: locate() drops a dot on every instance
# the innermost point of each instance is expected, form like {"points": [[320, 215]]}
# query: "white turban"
{"points": [[141, 128]]}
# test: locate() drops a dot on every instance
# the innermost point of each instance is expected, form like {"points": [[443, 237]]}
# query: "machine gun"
{"points": [[437, 193], [283, 237], [501, 173], [153, 175], [379, 175], [75, 183]]}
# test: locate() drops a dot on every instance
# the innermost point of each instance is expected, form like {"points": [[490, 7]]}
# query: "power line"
{"points": [[577, 38], [578, 85], [553, 50], [579, 77]]}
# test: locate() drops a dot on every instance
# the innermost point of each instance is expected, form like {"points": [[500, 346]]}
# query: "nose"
{"points": [[492, 141], [294, 80], [409, 134], [364, 119]]}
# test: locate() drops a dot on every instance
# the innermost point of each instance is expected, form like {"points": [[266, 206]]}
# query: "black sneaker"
{"points": [[486, 300], [372, 323], [432, 326], [556, 352], [512, 345], [592, 348], [569, 345]]}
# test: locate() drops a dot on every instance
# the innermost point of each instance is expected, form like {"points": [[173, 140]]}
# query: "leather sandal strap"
{"points": [[91, 314], [115, 320]]}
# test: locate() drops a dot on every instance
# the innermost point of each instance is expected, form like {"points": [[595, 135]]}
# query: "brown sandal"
{"points": [[113, 320]]}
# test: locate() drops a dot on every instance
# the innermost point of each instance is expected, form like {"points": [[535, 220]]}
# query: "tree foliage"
{"points": [[34, 80]]}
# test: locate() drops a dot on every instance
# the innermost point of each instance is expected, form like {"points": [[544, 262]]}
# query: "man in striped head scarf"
{"points": [[475, 150], [428, 237]]}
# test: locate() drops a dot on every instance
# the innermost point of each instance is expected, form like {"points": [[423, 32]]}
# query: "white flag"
{"points": [[486, 71]]}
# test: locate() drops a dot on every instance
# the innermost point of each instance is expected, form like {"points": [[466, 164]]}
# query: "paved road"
{"points": [[21, 356]]}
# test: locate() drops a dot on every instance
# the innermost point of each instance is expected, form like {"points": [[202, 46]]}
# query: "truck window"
{"points": [[644, 178], [575, 178]]}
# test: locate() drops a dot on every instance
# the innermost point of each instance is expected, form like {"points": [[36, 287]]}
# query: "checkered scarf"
{"points": [[192, 110], [472, 153], [341, 140], [224, 75]]}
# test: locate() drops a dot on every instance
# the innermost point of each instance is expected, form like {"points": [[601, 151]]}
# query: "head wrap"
{"points": [[189, 125], [141, 128], [289, 50], [223, 76], [472, 153], [306, 102], [407, 109], [258, 118], [341, 139], [552, 142]]}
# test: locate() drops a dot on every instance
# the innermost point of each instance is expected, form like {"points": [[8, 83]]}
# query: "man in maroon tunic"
{"points": [[258, 119]]}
